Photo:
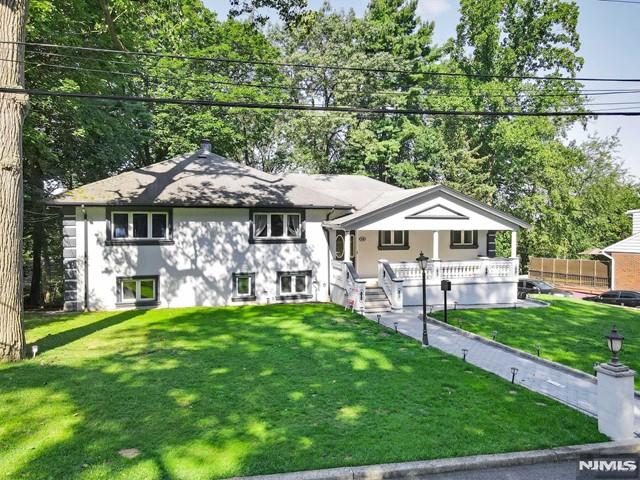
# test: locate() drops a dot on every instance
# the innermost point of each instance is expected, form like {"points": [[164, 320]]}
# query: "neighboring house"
{"points": [[200, 229], [625, 258]]}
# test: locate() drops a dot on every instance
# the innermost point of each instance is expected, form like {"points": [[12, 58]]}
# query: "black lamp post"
{"points": [[423, 262], [614, 342]]}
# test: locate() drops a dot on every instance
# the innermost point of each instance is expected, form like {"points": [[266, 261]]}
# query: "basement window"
{"points": [[294, 285], [244, 286], [137, 290]]}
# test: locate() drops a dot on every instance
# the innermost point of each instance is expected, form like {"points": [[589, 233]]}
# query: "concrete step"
{"points": [[375, 295], [369, 290], [377, 309], [376, 303]]}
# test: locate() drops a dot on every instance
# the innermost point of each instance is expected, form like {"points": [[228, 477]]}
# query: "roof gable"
{"points": [[428, 208], [437, 211], [628, 245]]}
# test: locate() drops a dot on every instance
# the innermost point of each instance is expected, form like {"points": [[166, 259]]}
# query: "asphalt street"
{"points": [[541, 471]]}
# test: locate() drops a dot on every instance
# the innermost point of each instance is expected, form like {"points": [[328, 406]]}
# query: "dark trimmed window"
{"points": [[120, 222], [393, 240], [138, 290], [278, 226], [244, 286], [464, 239], [293, 285], [128, 225]]}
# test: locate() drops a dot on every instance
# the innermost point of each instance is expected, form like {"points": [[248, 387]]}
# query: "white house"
{"points": [[200, 229], [625, 257]]}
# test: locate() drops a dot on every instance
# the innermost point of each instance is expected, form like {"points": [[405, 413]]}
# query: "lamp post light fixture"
{"points": [[514, 370], [615, 342], [34, 351], [423, 263], [378, 316], [395, 326], [595, 368], [538, 349], [615, 388], [494, 334], [464, 354]]}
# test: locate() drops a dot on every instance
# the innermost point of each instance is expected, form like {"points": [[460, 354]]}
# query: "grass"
{"points": [[216, 392], [569, 331]]}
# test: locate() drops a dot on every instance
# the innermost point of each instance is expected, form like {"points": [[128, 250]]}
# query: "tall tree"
{"points": [[70, 142], [13, 107], [290, 11]]}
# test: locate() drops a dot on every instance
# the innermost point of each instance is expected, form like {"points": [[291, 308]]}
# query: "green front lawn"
{"points": [[570, 331], [215, 392]]}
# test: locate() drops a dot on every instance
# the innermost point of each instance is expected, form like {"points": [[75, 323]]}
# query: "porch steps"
{"points": [[375, 300]]}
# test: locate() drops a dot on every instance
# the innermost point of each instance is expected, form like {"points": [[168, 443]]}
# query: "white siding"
{"points": [[465, 292], [635, 221], [209, 246], [628, 245]]}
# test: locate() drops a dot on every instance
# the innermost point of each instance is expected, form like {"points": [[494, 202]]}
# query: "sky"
{"points": [[609, 36]]}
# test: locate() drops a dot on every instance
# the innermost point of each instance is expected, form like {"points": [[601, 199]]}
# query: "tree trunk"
{"points": [[34, 179], [13, 108]]}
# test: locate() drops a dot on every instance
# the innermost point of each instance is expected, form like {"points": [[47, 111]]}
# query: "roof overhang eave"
{"points": [[77, 203]]}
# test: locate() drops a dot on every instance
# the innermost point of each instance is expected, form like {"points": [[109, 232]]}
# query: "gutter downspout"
{"points": [[85, 266], [613, 271]]}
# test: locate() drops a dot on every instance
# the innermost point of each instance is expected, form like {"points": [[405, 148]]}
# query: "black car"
{"points": [[625, 298], [526, 287]]}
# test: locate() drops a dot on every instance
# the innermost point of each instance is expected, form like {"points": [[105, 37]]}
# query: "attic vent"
{"points": [[205, 146]]}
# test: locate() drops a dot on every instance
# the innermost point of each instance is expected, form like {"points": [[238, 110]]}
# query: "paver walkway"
{"points": [[575, 391]]}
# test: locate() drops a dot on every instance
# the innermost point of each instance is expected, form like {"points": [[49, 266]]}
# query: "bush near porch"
{"points": [[215, 392], [569, 331]]}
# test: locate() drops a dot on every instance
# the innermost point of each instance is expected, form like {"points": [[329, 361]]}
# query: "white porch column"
{"points": [[347, 245], [514, 244], [435, 255]]}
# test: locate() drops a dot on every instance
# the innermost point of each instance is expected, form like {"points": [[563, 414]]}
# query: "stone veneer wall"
{"points": [[69, 259]]}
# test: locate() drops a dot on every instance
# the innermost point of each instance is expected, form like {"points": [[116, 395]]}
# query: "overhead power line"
{"points": [[622, 1], [438, 91], [277, 106], [322, 67]]}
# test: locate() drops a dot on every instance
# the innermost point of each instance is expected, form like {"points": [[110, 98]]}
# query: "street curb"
{"points": [[412, 470], [520, 353]]}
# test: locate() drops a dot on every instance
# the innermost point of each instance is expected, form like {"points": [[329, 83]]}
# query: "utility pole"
{"points": [[13, 109]]}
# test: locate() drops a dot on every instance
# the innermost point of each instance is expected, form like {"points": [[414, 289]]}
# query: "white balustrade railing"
{"points": [[337, 273], [450, 270], [391, 284]]}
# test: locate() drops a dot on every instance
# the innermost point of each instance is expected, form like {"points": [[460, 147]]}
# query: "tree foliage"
{"points": [[574, 195]]}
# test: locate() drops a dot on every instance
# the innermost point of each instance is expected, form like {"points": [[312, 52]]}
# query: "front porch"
{"points": [[374, 250], [483, 281]]}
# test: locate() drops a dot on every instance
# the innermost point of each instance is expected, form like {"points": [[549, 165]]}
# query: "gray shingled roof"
{"points": [[356, 190], [199, 179]]}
